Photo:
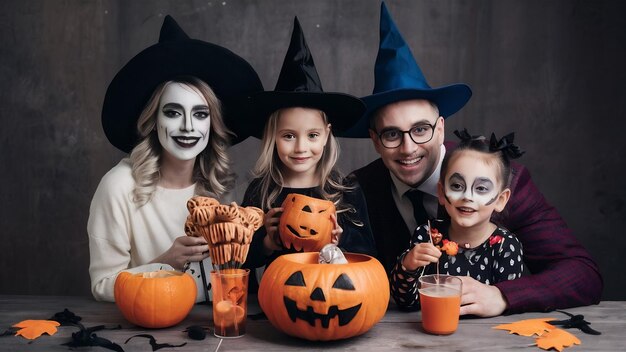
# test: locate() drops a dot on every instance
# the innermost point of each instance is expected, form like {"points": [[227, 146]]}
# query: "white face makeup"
{"points": [[183, 121], [471, 191], [481, 190]]}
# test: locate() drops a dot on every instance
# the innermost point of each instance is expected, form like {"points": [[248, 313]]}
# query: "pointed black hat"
{"points": [[229, 75], [299, 85]]}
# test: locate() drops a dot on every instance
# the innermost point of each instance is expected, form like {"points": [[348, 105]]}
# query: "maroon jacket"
{"points": [[563, 274]]}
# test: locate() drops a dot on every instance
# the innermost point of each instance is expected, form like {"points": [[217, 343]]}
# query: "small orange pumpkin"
{"points": [[316, 301], [156, 299], [305, 223]]}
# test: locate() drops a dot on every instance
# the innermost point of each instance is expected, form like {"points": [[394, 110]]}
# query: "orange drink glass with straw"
{"points": [[440, 299], [230, 297]]}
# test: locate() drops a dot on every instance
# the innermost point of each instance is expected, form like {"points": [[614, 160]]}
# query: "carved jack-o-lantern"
{"points": [[324, 301], [305, 223]]}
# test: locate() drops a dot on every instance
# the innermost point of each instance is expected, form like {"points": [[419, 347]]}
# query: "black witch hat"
{"points": [[299, 86], [175, 55]]}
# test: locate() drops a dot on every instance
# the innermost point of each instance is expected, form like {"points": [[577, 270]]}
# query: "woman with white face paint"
{"points": [[183, 122], [473, 186], [165, 109]]}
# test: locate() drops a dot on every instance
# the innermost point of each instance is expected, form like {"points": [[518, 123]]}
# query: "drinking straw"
{"points": [[234, 309], [430, 239]]}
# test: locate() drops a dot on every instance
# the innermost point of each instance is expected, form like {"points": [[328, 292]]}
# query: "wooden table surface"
{"points": [[396, 331]]}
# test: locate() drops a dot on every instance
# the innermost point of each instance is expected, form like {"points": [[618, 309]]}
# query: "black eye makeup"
{"points": [[482, 185], [201, 112], [456, 182], [483, 189]]}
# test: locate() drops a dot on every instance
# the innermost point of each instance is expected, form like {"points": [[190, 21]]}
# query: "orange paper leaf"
{"points": [[557, 339], [32, 329], [528, 327]]}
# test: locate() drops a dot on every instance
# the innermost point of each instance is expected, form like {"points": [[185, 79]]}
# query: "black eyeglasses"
{"points": [[419, 134]]}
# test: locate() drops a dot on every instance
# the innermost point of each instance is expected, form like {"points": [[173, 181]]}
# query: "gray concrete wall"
{"points": [[552, 71]]}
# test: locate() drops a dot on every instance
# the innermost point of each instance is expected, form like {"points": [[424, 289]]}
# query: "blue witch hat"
{"points": [[398, 77]]}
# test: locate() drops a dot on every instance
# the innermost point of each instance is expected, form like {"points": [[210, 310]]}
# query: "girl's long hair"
{"points": [[212, 167]]}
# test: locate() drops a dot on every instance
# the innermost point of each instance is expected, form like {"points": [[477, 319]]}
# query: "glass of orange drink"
{"points": [[230, 296], [440, 299]]}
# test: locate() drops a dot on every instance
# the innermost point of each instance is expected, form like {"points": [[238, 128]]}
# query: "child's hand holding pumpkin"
{"points": [[336, 231], [272, 241], [421, 255]]}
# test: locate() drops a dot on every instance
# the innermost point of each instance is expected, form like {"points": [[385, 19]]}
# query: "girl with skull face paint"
{"points": [[296, 123], [164, 108], [473, 186]]}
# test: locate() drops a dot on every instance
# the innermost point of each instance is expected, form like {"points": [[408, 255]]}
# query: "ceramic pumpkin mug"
{"points": [[305, 224], [313, 301]]}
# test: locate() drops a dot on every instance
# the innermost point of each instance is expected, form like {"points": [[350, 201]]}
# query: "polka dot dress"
{"points": [[497, 259]]}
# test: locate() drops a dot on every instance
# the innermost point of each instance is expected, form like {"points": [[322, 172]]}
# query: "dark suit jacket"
{"points": [[563, 273]]}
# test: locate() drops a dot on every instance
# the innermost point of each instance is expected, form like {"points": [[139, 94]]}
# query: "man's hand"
{"points": [[481, 299]]}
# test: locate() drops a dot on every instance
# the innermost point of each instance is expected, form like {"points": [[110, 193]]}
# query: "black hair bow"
{"points": [[506, 146], [466, 137]]}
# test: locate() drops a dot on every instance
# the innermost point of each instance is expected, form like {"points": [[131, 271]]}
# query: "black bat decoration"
{"points": [[153, 343], [87, 337], [575, 321], [66, 318]]}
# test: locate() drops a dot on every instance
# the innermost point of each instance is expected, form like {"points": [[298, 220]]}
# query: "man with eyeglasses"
{"points": [[405, 119]]}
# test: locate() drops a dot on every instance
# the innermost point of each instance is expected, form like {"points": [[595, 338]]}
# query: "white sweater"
{"points": [[123, 237]]}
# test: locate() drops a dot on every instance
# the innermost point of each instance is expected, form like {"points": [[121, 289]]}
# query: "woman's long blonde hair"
{"points": [[212, 167], [267, 168]]}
